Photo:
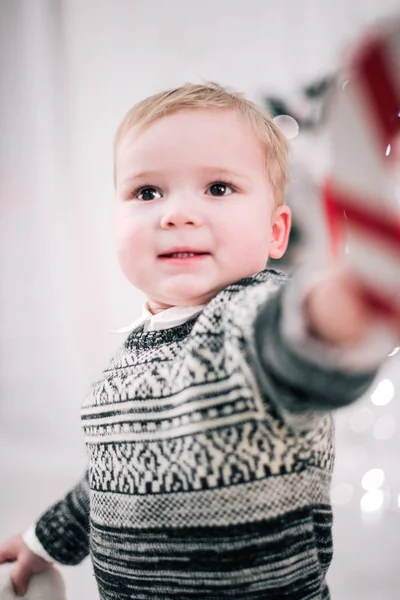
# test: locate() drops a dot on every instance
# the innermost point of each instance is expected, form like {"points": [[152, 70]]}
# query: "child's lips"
{"points": [[181, 258], [182, 249]]}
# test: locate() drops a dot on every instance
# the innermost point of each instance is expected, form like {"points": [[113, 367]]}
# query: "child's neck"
{"points": [[156, 307]]}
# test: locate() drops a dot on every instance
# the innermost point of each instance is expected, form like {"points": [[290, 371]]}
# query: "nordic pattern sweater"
{"points": [[210, 459]]}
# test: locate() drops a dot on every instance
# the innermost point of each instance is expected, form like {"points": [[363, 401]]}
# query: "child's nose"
{"points": [[180, 215]]}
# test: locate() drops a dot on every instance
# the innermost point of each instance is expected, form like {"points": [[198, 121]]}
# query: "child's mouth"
{"points": [[183, 257]]}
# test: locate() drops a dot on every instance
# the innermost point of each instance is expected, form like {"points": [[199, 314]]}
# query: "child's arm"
{"points": [[318, 345], [63, 530], [61, 535]]}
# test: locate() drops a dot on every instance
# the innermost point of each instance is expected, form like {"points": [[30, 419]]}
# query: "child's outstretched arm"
{"points": [[319, 345], [61, 535]]}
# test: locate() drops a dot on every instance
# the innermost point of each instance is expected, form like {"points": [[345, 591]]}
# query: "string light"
{"points": [[373, 479], [383, 393], [394, 351], [372, 501]]}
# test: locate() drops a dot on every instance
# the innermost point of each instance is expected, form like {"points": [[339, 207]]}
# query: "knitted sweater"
{"points": [[210, 459]]}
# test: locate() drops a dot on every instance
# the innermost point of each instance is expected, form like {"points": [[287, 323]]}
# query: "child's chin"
{"points": [[190, 294]]}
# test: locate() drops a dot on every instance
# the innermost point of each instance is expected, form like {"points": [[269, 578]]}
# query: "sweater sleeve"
{"points": [[300, 373], [63, 530]]}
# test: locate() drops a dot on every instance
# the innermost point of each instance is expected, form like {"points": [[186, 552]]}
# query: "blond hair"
{"points": [[214, 96]]}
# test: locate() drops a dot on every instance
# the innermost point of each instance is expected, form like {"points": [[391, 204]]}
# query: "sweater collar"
{"points": [[166, 319]]}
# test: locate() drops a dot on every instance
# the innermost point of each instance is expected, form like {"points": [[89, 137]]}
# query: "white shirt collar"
{"points": [[171, 317]]}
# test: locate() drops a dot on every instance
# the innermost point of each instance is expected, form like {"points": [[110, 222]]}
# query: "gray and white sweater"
{"points": [[210, 460]]}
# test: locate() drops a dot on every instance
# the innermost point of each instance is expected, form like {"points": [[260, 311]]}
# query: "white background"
{"points": [[69, 70]]}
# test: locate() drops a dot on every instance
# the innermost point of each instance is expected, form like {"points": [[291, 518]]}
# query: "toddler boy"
{"points": [[209, 434]]}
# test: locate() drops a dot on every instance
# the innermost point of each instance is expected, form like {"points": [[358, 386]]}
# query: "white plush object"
{"points": [[48, 585]]}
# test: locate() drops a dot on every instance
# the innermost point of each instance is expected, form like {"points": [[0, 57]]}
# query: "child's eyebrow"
{"points": [[143, 176], [223, 172], [140, 175]]}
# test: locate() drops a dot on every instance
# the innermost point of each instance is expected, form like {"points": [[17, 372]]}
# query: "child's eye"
{"points": [[147, 193], [219, 188]]}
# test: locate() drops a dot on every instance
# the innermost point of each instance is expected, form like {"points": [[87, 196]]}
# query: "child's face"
{"points": [[196, 181]]}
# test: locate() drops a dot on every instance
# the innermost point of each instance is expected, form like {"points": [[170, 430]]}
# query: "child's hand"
{"points": [[27, 562], [338, 311]]}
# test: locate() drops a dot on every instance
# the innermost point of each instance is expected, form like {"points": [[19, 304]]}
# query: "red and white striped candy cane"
{"points": [[360, 194]]}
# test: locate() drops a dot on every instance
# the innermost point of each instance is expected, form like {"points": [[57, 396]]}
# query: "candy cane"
{"points": [[360, 195]]}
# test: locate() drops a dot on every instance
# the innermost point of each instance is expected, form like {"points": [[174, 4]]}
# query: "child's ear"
{"points": [[281, 222]]}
